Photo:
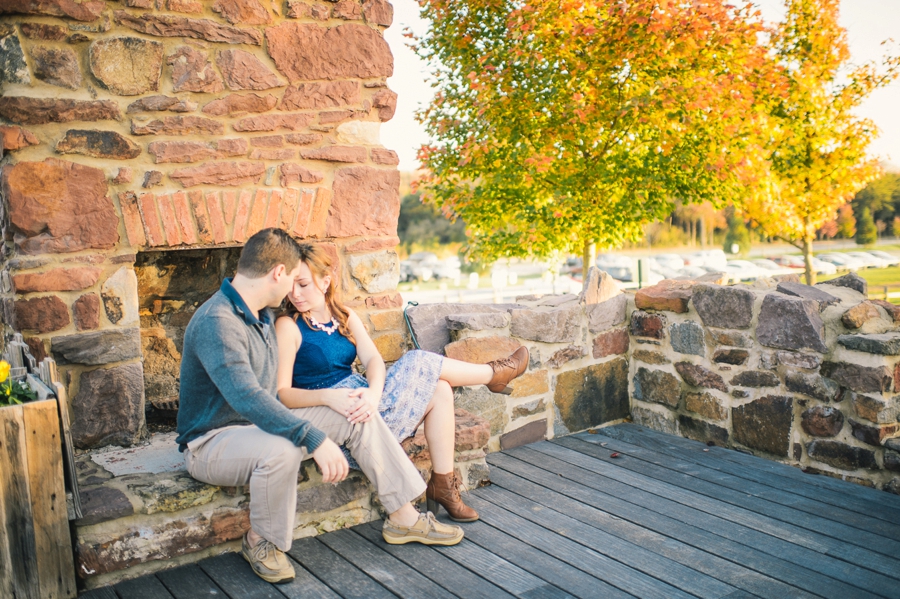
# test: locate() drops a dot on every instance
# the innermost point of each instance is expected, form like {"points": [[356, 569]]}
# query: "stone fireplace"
{"points": [[145, 140], [171, 286]]}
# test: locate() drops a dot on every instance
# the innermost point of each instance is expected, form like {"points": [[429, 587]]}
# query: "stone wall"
{"points": [[578, 375], [148, 125], [804, 375]]}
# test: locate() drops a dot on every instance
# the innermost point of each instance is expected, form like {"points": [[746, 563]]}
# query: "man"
{"points": [[234, 431]]}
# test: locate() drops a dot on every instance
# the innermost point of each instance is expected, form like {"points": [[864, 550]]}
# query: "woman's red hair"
{"points": [[321, 266]]}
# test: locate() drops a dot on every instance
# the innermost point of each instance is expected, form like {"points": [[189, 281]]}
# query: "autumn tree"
{"points": [[558, 125], [702, 219], [881, 197], [866, 232], [422, 227], [817, 152], [846, 222], [737, 236], [828, 229]]}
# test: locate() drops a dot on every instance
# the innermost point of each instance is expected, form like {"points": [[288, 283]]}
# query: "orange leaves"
{"points": [[540, 164], [557, 119]]}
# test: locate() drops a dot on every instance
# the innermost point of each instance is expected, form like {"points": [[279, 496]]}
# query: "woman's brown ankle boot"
{"points": [[443, 490], [506, 370]]}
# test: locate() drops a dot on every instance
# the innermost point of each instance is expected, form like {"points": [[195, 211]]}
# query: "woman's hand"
{"points": [[340, 400], [365, 405]]}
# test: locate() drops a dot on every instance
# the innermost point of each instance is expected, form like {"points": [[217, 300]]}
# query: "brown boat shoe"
{"points": [[427, 530], [268, 561]]}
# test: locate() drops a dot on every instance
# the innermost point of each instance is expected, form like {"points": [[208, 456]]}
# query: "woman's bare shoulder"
{"points": [[284, 318], [286, 324]]}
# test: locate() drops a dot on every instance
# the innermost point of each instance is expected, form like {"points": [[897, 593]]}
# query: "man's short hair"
{"points": [[266, 250]]}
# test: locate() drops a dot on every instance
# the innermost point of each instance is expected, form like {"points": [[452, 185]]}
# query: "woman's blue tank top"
{"points": [[322, 360]]}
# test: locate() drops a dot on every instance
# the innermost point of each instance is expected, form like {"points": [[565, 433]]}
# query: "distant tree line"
{"points": [[882, 199], [873, 212], [422, 227]]}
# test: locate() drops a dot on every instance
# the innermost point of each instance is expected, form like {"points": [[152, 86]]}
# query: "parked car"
{"points": [[789, 261], [842, 261], [691, 272], [870, 260], [448, 268], [670, 261], [617, 266], [823, 268], [668, 266], [713, 258], [655, 268], [418, 267], [572, 266], [411, 272], [771, 268], [742, 270], [793, 261], [891, 259], [406, 272]]}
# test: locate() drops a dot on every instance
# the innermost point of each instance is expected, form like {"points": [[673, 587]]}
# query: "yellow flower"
{"points": [[4, 370]]}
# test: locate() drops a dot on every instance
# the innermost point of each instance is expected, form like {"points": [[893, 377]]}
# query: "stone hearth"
{"points": [[143, 512]]}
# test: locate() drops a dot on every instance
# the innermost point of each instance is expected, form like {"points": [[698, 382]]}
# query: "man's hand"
{"points": [[331, 461]]}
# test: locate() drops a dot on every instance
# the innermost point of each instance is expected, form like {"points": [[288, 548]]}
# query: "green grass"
{"points": [[877, 279], [881, 276], [885, 248]]}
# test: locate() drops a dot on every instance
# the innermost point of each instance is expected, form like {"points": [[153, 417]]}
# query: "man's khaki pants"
{"points": [[237, 455]]}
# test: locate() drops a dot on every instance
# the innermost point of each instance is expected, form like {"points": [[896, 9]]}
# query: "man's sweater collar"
{"points": [[240, 306]]}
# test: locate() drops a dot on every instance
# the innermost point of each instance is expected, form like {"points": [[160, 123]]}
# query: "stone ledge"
{"points": [[142, 509]]}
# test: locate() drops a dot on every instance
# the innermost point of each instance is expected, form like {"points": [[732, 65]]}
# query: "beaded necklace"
{"points": [[326, 327]]}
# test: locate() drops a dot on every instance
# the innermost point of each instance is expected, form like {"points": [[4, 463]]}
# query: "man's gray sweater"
{"points": [[229, 374]]}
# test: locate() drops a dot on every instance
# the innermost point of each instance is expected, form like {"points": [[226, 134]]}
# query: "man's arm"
{"points": [[225, 357]]}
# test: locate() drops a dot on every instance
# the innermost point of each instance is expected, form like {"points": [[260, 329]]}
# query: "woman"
{"points": [[319, 339]]}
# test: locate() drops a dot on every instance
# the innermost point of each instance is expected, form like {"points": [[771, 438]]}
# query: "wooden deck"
{"points": [[666, 518]]}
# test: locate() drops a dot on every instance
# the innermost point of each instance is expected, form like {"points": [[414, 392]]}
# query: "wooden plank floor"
{"points": [[665, 518]]}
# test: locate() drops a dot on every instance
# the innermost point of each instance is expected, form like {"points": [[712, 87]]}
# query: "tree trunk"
{"points": [[588, 258], [808, 237]]}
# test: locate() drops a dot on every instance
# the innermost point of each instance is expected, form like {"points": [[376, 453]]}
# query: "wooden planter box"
{"points": [[35, 544]]}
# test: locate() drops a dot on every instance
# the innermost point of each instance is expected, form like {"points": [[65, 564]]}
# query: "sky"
{"points": [[868, 23]]}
